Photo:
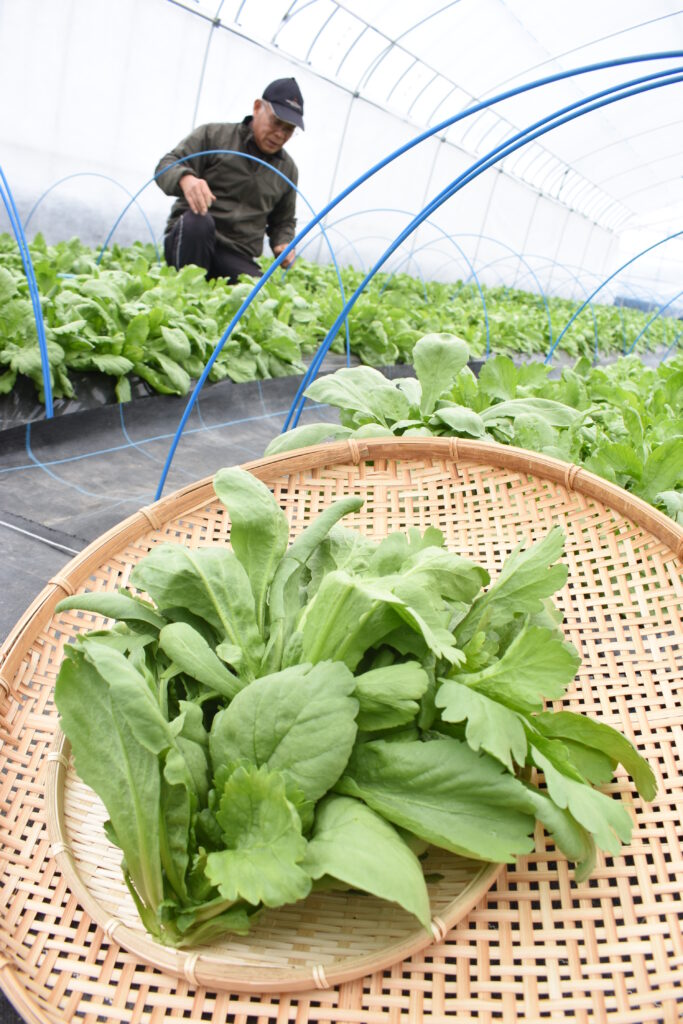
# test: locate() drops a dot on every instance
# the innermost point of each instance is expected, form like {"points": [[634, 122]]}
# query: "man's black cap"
{"points": [[284, 96]]}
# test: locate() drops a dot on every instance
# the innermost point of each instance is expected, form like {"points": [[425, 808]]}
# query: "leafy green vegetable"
{"points": [[352, 843], [300, 722], [283, 718], [263, 842], [444, 792]]}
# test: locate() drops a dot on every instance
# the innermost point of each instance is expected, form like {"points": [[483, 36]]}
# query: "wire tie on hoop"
{"points": [[319, 978], [59, 847], [150, 514], [570, 475], [453, 449], [439, 929], [356, 451], [59, 757], [63, 584], [189, 965], [110, 927]]}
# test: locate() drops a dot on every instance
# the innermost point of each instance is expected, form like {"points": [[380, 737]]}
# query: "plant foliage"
{"points": [[281, 718]]}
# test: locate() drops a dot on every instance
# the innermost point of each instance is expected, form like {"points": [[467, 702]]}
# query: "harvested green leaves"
{"points": [[279, 718]]}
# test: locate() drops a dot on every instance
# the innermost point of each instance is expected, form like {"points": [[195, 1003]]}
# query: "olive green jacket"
{"points": [[252, 198]]}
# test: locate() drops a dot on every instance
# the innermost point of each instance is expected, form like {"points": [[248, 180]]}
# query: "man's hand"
{"points": [[197, 192], [289, 258]]}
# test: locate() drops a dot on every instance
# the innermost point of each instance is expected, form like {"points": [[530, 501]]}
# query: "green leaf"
{"points": [[259, 530], [349, 614], [73, 327], [114, 606], [671, 500], [137, 330], [8, 285], [490, 725], [7, 381], [460, 419], [625, 463], [438, 359], [121, 770], [116, 366], [210, 583], [575, 842], [537, 664], [264, 845], [554, 413], [568, 725], [527, 578], [175, 824], [190, 652], [300, 722], [350, 388], [446, 573], [499, 378], [301, 437], [122, 390], [131, 697], [389, 696], [177, 343], [352, 843], [178, 377], [286, 597], [605, 818], [663, 470], [445, 793]]}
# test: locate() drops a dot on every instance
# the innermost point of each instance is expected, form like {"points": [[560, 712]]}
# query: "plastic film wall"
{"points": [[102, 89]]}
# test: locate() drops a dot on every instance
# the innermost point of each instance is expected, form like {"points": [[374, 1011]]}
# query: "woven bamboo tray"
{"points": [[537, 946]]}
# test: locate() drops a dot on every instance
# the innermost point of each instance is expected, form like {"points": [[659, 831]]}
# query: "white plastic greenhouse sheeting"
{"points": [[94, 91]]}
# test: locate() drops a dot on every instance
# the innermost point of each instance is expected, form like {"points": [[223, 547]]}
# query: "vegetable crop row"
{"points": [[131, 317], [623, 421]]}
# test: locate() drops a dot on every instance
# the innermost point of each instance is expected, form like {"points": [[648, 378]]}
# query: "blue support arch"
{"points": [[563, 116], [596, 277], [660, 311], [348, 243], [94, 174], [12, 213], [671, 347], [555, 263], [522, 259], [611, 277], [606, 96], [449, 238], [533, 131]]}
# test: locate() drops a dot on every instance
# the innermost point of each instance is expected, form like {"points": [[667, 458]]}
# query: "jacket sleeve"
{"points": [[196, 142], [281, 223]]}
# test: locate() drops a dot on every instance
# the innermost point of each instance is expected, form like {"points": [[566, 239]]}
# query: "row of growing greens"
{"points": [[128, 316], [623, 421]]}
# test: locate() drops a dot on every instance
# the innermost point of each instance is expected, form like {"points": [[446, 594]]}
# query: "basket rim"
{"points": [[193, 495]]}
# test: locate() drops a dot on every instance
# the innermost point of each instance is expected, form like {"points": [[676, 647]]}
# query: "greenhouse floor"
{"points": [[65, 481]]}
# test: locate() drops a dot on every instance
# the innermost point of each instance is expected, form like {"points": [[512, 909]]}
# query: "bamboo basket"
{"points": [[517, 943]]}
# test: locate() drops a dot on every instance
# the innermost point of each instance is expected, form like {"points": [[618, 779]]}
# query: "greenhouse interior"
{"points": [[340, 354]]}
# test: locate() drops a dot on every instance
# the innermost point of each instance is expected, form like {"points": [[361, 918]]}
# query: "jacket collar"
{"points": [[247, 136]]}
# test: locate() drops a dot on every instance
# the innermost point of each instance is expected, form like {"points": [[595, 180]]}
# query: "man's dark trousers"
{"points": [[192, 239]]}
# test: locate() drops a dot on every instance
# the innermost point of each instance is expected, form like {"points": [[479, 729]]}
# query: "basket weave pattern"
{"points": [[538, 946]]}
